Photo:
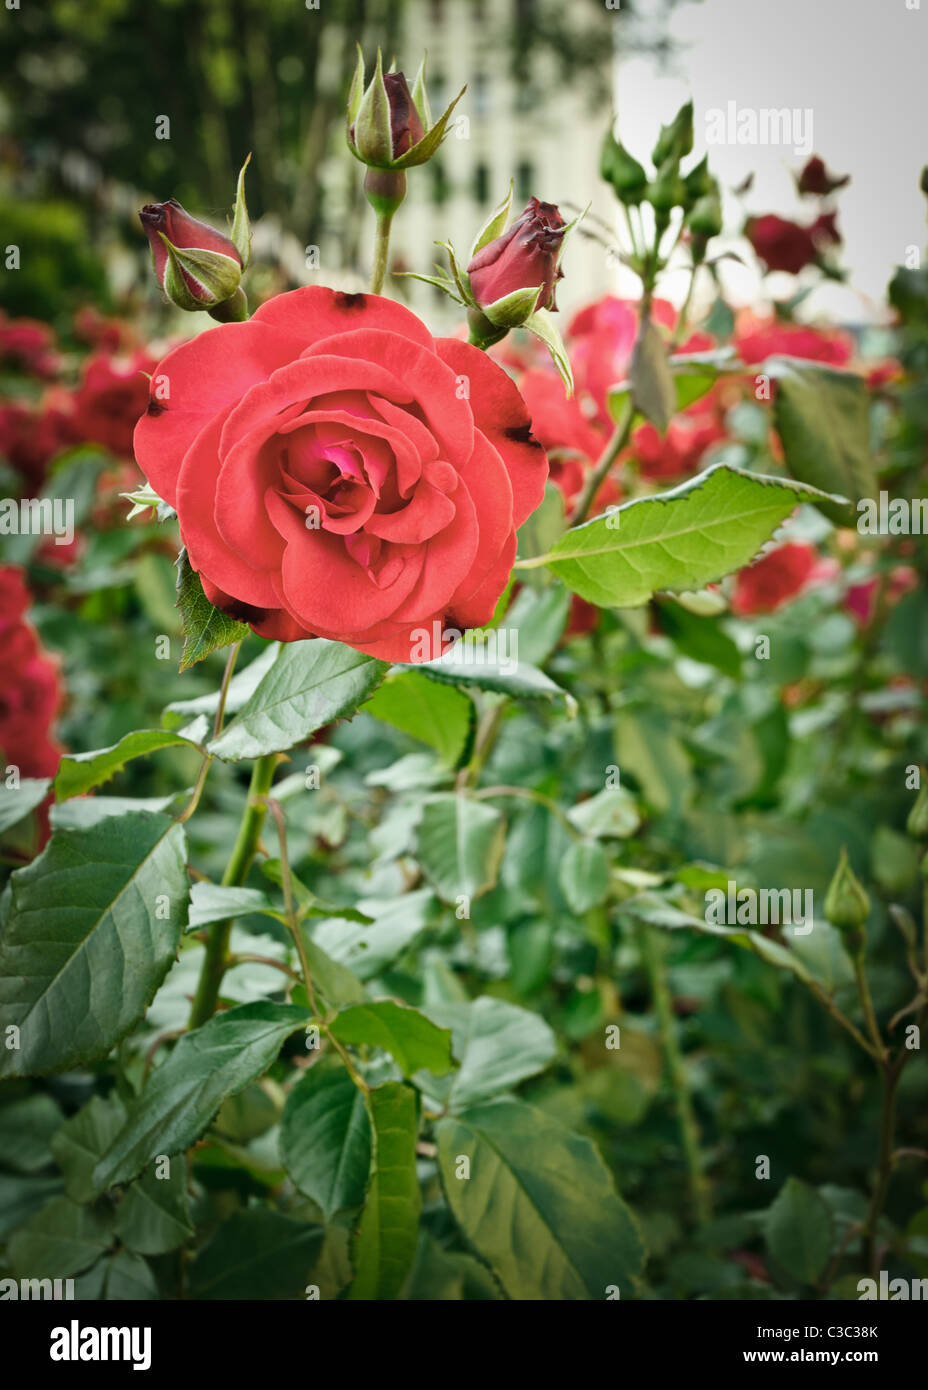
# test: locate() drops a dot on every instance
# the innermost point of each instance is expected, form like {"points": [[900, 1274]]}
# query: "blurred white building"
{"points": [[542, 136]]}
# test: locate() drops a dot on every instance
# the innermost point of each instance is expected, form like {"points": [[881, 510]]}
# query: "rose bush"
{"points": [[339, 472]]}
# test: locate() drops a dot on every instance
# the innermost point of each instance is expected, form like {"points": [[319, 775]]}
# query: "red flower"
{"points": [[774, 579], [816, 180], [111, 397], [860, 599], [524, 256], [108, 334], [338, 472], [31, 438], [757, 339], [780, 244], [30, 693], [824, 230], [27, 345], [679, 452], [186, 233]]}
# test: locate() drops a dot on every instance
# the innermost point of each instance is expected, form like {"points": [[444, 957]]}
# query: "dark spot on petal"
{"points": [[522, 434], [242, 612], [350, 301], [155, 408]]}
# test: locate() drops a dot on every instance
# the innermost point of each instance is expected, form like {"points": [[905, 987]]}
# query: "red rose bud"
{"points": [[198, 267], [389, 126], [815, 180], [824, 229], [780, 244], [523, 259]]}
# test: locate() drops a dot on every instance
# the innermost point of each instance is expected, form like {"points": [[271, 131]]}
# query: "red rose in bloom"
{"points": [[774, 579], [338, 472], [781, 244], [27, 345], [111, 397], [757, 339], [31, 438], [29, 689]]}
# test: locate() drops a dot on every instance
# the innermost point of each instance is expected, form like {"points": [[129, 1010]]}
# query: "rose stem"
{"points": [[606, 459], [217, 941]]}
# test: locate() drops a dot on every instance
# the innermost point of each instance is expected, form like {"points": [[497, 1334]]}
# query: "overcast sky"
{"points": [[859, 66]]}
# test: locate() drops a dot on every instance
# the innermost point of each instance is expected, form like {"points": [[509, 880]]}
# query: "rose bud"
{"points": [[781, 244], [847, 905], [515, 274], [198, 267], [622, 171], [389, 126], [815, 180], [917, 823]]}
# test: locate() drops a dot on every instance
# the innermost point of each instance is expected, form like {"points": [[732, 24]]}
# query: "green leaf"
{"points": [[20, 1197], [365, 950], [325, 1139], [385, 1245], [497, 1044], [693, 374], [26, 1128], [92, 930], [539, 617], [129, 1278], [413, 1041], [506, 677], [545, 329], [18, 802], [683, 539], [310, 684], [257, 1254], [823, 419], [538, 1205], [584, 875], [242, 686], [82, 1140], [610, 814], [652, 387], [439, 715], [494, 225], [215, 902], [60, 1240], [333, 981], [799, 1231], [460, 846], [153, 1217], [205, 628], [79, 772], [184, 1093], [701, 639]]}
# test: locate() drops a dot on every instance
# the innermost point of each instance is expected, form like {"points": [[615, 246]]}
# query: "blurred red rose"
{"points": [[32, 436], [680, 451], [777, 577], [815, 180], [30, 690], [757, 339], [781, 244], [860, 599], [110, 335], [27, 345], [112, 395]]}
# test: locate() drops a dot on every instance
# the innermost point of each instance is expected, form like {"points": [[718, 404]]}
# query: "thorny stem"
{"points": [[866, 1001], [296, 931], [217, 729], [606, 459], [215, 960], [652, 952]]}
